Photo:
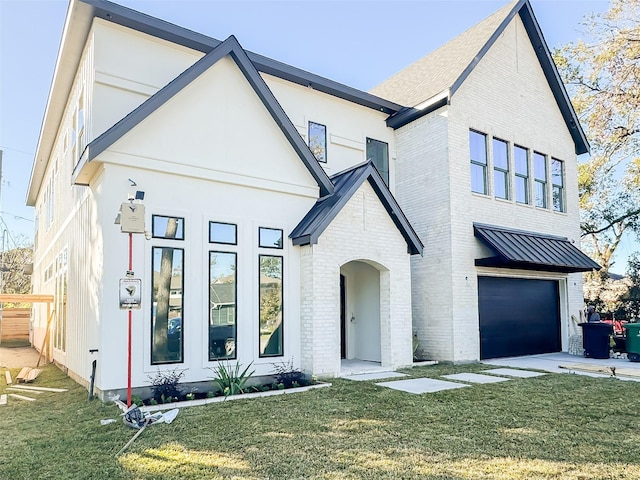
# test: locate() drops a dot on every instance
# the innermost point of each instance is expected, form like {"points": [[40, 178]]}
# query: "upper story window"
{"points": [[171, 228], [478, 153], [378, 152], [318, 141], [220, 232], [270, 237], [81, 123], [521, 166], [557, 184], [540, 179], [500, 169]]}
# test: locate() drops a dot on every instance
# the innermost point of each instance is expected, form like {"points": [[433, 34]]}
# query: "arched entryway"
{"points": [[361, 299]]}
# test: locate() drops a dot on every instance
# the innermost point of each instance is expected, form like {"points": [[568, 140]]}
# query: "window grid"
{"points": [[557, 185], [540, 179], [521, 167], [501, 169], [478, 154]]}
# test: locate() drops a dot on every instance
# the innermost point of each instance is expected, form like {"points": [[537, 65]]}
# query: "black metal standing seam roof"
{"points": [[141, 22], [346, 183], [232, 48], [531, 251]]}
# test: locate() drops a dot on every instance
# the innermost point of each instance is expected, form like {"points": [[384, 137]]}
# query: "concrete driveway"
{"points": [[550, 362]]}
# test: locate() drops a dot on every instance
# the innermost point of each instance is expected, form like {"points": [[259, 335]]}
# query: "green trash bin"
{"points": [[633, 341]]}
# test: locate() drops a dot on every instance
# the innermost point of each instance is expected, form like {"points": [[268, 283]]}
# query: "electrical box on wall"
{"points": [[131, 218]]}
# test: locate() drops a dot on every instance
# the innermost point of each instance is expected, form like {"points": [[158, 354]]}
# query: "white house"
{"points": [[346, 222]]}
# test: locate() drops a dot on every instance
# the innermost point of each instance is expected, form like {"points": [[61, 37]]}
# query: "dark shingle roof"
{"points": [[430, 82], [531, 251], [346, 183]]}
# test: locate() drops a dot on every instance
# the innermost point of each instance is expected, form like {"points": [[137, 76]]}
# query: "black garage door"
{"points": [[518, 317]]}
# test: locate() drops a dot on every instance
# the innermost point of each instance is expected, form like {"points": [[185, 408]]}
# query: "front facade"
{"points": [[288, 223]]}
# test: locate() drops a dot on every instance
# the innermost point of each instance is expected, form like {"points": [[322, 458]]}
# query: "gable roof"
{"points": [[430, 82], [232, 48], [79, 19], [309, 230]]}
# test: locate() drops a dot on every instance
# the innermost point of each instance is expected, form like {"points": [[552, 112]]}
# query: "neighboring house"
{"points": [[274, 233]]}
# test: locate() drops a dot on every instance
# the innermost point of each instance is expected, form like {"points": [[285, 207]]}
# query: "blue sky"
{"points": [[359, 43]]}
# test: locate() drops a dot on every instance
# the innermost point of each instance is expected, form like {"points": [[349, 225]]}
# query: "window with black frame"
{"points": [[478, 154], [318, 141], [271, 306], [222, 305], [167, 305], [378, 152]]}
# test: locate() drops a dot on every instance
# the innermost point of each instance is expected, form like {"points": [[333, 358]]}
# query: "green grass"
{"points": [[555, 426]]}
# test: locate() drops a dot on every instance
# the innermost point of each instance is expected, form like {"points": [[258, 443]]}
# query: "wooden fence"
{"points": [[15, 324]]}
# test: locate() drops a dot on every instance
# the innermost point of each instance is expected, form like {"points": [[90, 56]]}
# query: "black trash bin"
{"points": [[595, 339]]}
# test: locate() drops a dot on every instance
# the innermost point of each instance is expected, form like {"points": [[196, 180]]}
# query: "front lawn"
{"points": [[555, 426]]}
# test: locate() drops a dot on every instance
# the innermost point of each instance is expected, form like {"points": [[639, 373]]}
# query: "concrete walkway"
{"points": [[18, 357], [550, 362]]}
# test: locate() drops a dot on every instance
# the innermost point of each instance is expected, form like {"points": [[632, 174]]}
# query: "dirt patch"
{"points": [[18, 357]]}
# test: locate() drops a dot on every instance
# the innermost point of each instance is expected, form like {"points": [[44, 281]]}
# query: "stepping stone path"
{"points": [[476, 378], [430, 385], [422, 385], [512, 372]]}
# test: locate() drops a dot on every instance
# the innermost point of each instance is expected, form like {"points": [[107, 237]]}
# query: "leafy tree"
{"points": [[14, 280], [603, 78]]}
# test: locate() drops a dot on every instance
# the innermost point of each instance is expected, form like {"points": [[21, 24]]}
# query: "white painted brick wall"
{"points": [[362, 231], [506, 96]]}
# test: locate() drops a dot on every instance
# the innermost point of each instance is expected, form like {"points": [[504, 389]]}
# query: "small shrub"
{"points": [[164, 385], [210, 394], [191, 396], [153, 401], [230, 380], [135, 399], [286, 374]]}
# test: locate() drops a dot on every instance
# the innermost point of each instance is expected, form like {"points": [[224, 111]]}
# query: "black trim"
{"points": [[523, 8], [261, 355], [235, 233], [235, 309], [173, 33], [232, 48]]}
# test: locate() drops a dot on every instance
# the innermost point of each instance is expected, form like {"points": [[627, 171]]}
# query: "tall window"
{"points": [[318, 141], [167, 307], [557, 184], [222, 305], [540, 179], [60, 333], [378, 152], [521, 166], [81, 124], [500, 169], [271, 303], [478, 153]]}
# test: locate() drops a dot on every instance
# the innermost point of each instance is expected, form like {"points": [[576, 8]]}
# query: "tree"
{"points": [[603, 78], [13, 263]]}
